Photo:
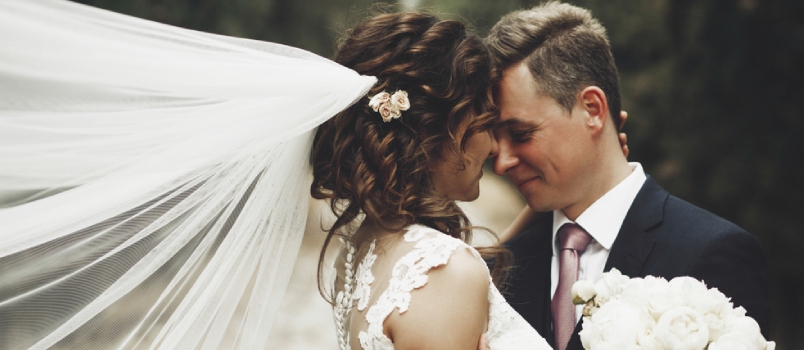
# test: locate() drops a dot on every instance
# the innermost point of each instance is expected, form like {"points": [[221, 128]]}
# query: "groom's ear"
{"points": [[593, 102]]}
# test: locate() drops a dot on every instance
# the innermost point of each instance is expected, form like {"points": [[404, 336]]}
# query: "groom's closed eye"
{"points": [[520, 135], [518, 130]]}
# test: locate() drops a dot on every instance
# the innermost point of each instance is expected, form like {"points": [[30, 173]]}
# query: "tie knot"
{"points": [[572, 236]]}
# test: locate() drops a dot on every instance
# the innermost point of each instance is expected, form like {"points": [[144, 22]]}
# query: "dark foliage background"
{"points": [[713, 88]]}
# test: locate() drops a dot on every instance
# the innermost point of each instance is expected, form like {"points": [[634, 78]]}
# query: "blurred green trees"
{"points": [[713, 88]]}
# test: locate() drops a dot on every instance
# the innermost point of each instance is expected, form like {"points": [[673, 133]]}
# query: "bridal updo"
{"points": [[365, 165]]}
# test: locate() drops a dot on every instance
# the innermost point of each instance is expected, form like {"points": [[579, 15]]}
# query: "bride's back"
{"points": [[376, 258], [390, 277], [369, 269], [422, 289]]}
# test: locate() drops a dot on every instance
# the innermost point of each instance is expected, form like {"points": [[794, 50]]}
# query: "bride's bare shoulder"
{"points": [[450, 311]]}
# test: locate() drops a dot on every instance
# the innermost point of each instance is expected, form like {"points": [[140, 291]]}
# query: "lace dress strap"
{"points": [[432, 249]]}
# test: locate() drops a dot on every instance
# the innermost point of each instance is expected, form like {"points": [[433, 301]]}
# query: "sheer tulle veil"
{"points": [[153, 179]]}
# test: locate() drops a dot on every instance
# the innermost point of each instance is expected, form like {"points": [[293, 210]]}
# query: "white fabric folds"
{"points": [[153, 179]]}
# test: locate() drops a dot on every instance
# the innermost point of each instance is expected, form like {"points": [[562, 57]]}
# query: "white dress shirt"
{"points": [[602, 220]]}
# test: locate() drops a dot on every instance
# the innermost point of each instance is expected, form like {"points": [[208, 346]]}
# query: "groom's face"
{"points": [[543, 148]]}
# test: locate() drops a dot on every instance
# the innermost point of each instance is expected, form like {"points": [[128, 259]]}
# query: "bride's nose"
{"points": [[495, 147]]}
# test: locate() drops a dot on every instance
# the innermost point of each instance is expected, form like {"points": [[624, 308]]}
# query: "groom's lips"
{"points": [[524, 183]]}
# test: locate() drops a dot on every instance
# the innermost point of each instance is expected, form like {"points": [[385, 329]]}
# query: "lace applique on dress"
{"points": [[365, 278], [507, 330], [410, 272]]}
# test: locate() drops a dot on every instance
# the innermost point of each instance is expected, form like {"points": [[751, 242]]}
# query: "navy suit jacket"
{"points": [[661, 236]]}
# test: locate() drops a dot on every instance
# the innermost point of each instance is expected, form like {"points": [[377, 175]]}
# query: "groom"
{"points": [[559, 115]]}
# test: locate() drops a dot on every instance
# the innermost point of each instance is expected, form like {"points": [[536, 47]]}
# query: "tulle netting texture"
{"points": [[153, 179]]}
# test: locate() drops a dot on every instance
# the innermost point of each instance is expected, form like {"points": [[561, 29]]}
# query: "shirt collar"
{"points": [[603, 219]]}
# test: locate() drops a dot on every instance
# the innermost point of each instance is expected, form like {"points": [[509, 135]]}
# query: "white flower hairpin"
{"points": [[390, 106]]}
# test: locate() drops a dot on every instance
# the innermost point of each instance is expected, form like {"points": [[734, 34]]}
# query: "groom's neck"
{"points": [[611, 169]]}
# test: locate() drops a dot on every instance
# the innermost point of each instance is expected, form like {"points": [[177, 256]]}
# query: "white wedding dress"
{"points": [[428, 249]]}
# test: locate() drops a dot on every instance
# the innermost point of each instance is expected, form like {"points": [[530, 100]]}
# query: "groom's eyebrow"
{"points": [[512, 122]]}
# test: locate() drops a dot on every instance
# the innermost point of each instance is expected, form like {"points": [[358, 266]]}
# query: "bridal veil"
{"points": [[153, 180]]}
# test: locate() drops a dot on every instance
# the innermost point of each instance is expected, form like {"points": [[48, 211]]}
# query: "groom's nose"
{"points": [[505, 159]]}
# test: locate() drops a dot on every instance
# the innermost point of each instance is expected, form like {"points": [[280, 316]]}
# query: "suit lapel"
{"points": [[635, 240], [529, 291], [543, 318], [544, 275]]}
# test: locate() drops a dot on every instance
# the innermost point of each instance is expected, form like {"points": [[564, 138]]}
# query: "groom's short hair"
{"points": [[565, 49]]}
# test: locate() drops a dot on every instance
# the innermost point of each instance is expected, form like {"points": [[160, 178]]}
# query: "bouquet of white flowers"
{"points": [[652, 313]]}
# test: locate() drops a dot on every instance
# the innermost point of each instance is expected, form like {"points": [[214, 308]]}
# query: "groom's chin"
{"points": [[538, 204]]}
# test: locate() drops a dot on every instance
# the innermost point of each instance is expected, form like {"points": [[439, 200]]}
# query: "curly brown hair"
{"points": [[383, 169]]}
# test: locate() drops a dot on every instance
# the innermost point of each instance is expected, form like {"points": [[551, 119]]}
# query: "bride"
{"points": [[405, 277]]}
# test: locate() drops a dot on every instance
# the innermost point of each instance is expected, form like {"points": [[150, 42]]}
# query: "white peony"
{"points": [[610, 284], [728, 343], [738, 341], [717, 311], [739, 312], [744, 330], [682, 328], [711, 300], [615, 326], [652, 294], [646, 338], [582, 291], [687, 288], [636, 292]]}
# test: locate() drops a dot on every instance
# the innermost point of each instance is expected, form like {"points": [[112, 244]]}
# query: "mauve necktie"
{"points": [[572, 240]]}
